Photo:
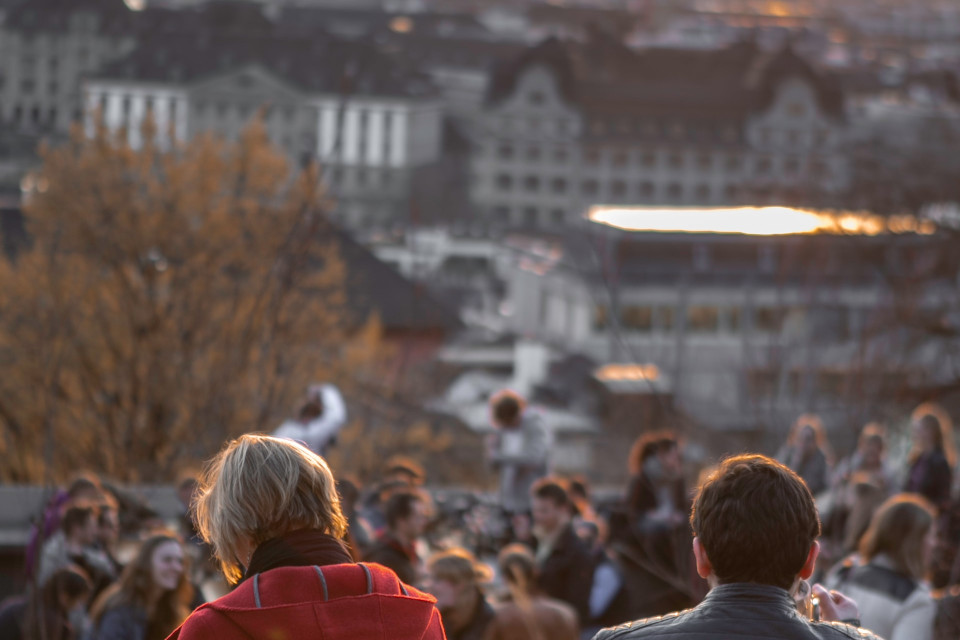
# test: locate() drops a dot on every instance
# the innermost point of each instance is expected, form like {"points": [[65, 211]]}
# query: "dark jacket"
{"points": [[567, 573], [122, 623], [734, 611], [390, 553], [930, 476]]}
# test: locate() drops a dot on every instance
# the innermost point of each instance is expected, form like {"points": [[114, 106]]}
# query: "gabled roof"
{"points": [[313, 65], [605, 78]]}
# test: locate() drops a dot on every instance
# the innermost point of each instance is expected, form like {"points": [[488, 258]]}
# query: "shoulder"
{"points": [[841, 630], [640, 628], [205, 622]]}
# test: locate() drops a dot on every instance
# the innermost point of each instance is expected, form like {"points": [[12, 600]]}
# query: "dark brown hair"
{"points": [[756, 521], [551, 489], [506, 407], [134, 587], [648, 445], [897, 531]]}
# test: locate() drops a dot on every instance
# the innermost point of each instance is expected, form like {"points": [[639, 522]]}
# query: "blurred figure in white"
{"points": [[319, 421]]}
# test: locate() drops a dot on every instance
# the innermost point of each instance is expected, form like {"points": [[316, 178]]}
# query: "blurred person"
{"points": [[657, 499], [519, 448], [454, 578], [564, 563], [932, 456], [869, 458], [407, 517], [578, 490], [359, 536], [319, 420], [84, 489], [74, 544], [887, 580], [151, 598], [270, 509], [755, 530], [46, 614], [399, 473], [528, 614], [609, 600], [806, 452], [187, 491]]}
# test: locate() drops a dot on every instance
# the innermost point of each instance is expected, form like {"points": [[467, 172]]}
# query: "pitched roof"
{"points": [[606, 78], [312, 64]]}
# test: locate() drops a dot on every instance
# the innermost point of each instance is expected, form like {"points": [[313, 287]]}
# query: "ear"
{"points": [[704, 568], [811, 562]]}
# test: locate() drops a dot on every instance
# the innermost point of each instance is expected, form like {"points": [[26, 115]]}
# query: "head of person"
{"points": [[155, 580], [187, 491], [454, 577], [807, 434], [932, 430], [404, 471], [902, 530], [755, 521], [65, 590], [85, 488], [79, 525], [506, 409], [519, 568], [108, 527], [259, 488], [349, 492], [407, 515], [550, 505], [657, 455], [871, 445]]}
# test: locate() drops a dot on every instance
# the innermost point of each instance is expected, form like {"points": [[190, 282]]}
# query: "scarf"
{"points": [[302, 548]]}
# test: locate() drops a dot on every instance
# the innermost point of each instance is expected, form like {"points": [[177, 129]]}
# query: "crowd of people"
{"points": [[778, 544]]}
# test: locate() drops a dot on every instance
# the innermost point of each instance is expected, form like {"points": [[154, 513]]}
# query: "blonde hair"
{"points": [[457, 565], [259, 487], [897, 530]]}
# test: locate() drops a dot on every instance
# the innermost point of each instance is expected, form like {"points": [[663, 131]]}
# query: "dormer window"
{"points": [[535, 98]]}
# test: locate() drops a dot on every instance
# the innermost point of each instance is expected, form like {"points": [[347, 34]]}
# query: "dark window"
{"points": [[53, 88], [637, 318], [731, 193], [703, 319], [533, 153], [531, 183], [530, 216], [764, 165], [705, 161], [601, 317], [558, 185], [590, 187], [620, 159], [504, 182], [733, 163], [792, 166], [593, 156], [27, 85], [649, 159], [125, 105], [560, 155], [768, 319], [703, 193], [674, 191], [505, 152], [675, 160], [646, 189], [558, 216], [618, 188], [52, 116]]}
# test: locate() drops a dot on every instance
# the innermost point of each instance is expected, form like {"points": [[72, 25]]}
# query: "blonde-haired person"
{"points": [[932, 455], [269, 508], [528, 614], [151, 598], [887, 580], [454, 576], [807, 452]]}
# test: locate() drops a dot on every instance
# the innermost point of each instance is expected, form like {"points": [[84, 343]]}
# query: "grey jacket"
{"points": [[734, 611]]}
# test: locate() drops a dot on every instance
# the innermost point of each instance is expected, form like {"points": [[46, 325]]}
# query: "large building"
{"points": [[370, 124], [572, 124]]}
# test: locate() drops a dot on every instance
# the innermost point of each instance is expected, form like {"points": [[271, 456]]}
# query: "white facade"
{"points": [[124, 107]]}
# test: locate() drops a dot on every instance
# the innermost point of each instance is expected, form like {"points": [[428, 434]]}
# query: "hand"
{"points": [[834, 606]]}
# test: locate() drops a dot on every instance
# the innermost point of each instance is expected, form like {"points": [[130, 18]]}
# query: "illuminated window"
{"points": [[601, 317], [769, 319], [665, 318], [703, 319], [636, 318]]}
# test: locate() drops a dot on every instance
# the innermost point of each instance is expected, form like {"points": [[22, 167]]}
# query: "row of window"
{"points": [[698, 318], [617, 190], [675, 160]]}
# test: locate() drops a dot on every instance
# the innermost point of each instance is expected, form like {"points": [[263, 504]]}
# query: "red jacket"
{"points": [[334, 602]]}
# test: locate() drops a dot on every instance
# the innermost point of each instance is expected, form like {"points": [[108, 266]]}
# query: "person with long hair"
{"points": [[46, 613], [151, 598], [270, 510], [931, 456], [887, 580], [807, 453]]}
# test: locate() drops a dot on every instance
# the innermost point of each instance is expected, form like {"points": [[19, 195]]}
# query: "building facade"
{"points": [[569, 125]]}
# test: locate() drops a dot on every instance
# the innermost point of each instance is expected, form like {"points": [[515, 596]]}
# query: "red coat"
{"points": [[346, 602]]}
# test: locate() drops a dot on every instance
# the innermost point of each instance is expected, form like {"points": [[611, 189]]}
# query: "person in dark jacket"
{"points": [[756, 528], [270, 509], [406, 514], [807, 452], [454, 578], [564, 562], [932, 455], [46, 613]]}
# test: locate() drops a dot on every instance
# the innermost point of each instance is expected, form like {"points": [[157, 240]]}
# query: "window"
{"points": [[675, 160], [601, 317], [533, 154], [764, 165], [791, 166], [677, 131], [703, 319], [560, 156], [674, 192], [637, 318], [703, 193], [53, 88], [618, 188], [796, 109], [558, 216], [535, 98], [733, 319], [27, 85], [52, 116], [558, 185], [769, 319], [793, 138], [821, 137], [733, 162], [530, 216], [731, 193], [593, 156], [505, 152], [665, 318], [598, 127], [531, 183], [766, 136], [504, 182], [646, 189], [620, 159], [705, 161], [649, 159], [590, 187]]}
